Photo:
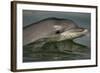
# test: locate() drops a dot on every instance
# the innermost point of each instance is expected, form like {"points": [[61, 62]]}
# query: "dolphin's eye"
{"points": [[57, 32]]}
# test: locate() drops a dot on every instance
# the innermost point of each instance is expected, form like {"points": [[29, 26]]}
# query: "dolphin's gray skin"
{"points": [[52, 29]]}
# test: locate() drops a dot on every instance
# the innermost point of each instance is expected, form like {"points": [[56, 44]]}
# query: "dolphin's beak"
{"points": [[85, 31], [73, 33]]}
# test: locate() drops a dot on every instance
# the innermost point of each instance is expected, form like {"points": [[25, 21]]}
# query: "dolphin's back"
{"points": [[44, 27]]}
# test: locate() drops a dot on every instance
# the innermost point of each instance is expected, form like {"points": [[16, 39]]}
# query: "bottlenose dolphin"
{"points": [[52, 29]]}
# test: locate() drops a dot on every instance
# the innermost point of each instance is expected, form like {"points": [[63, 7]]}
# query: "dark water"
{"points": [[54, 51]]}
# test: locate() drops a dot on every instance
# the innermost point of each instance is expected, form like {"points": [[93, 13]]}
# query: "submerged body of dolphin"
{"points": [[52, 29]]}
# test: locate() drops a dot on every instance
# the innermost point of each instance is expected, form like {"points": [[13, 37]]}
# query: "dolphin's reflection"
{"points": [[52, 51]]}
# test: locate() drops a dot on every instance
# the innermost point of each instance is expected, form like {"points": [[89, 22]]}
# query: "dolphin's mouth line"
{"points": [[72, 34]]}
